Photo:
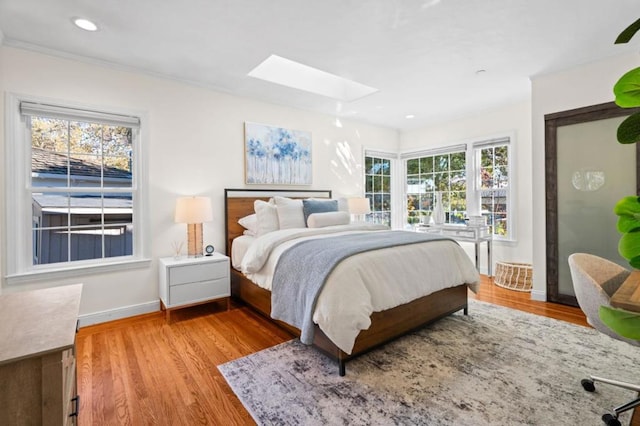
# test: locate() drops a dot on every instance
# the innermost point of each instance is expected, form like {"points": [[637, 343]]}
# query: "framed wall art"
{"points": [[277, 156]]}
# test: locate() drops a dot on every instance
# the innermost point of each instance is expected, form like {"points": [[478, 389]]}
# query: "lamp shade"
{"points": [[193, 210], [359, 206]]}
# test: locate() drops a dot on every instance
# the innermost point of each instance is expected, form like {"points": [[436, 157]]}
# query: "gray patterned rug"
{"points": [[495, 366]]}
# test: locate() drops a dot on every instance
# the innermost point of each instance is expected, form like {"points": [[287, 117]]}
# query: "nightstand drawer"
{"points": [[467, 233], [204, 272], [195, 292]]}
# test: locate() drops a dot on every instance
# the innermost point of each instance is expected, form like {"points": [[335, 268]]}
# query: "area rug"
{"points": [[496, 366]]}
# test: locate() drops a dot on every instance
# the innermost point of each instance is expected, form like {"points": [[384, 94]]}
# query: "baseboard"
{"points": [[538, 295], [115, 314]]}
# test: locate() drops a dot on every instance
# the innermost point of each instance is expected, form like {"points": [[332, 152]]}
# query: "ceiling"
{"points": [[424, 56]]}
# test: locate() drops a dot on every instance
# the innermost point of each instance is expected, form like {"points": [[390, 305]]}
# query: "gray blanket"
{"points": [[303, 269]]}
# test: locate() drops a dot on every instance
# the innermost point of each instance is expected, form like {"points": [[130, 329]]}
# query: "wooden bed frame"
{"points": [[385, 325]]}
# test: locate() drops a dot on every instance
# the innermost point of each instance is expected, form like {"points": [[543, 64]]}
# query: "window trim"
{"points": [[396, 181], [473, 194], [19, 266], [431, 152], [392, 157], [474, 147]]}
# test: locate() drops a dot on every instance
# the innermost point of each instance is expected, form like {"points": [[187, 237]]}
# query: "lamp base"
{"points": [[194, 240]]}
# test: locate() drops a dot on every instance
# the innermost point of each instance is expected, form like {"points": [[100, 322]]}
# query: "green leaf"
{"points": [[629, 245], [635, 262], [628, 33], [627, 89], [629, 129], [624, 323], [627, 224], [628, 206]]}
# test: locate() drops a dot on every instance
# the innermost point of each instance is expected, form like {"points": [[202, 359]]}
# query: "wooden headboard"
{"points": [[238, 203]]}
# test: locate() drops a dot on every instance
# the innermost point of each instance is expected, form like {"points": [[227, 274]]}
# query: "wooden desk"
{"points": [[628, 295]]}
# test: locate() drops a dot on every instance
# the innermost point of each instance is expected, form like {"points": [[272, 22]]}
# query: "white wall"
{"points": [[196, 147], [514, 119], [583, 86]]}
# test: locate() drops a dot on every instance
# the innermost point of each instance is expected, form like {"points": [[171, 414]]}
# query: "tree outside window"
{"points": [[445, 173], [81, 190], [378, 189], [494, 187]]}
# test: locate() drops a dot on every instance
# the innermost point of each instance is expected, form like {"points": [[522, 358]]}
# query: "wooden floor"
{"points": [[489, 292], [143, 371]]}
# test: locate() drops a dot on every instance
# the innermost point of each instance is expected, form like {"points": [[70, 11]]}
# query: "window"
{"points": [[80, 202], [436, 171], [493, 185], [378, 187], [487, 192]]}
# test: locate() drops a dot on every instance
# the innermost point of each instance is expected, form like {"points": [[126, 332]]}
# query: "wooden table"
{"points": [[628, 295]]}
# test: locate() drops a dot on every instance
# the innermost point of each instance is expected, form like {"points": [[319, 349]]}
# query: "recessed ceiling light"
{"points": [[409, 116], [279, 70], [85, 24]]}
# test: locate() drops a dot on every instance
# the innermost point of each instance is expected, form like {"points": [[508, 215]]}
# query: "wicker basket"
{"points": [[514, 276]]}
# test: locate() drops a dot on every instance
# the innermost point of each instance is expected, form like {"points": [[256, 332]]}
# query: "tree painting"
{"points": [[275, 155]]}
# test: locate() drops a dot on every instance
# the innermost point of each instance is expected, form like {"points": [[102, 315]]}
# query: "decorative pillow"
{"points": [[311, 206], [267, 217], [320, 220], [250, 223], [290, 213]]}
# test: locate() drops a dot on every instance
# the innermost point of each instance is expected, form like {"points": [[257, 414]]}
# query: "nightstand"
{"points": [[192, 281]]}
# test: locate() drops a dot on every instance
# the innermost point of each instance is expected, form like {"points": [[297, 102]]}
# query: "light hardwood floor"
{"points": [[143, 371]]}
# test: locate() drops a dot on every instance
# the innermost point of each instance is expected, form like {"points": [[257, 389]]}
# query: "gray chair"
{"points": [[594, 281]]}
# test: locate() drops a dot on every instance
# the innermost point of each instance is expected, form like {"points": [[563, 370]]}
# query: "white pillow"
{"points": [[320, 220], [250, 223], [290, 213], [267, 217]]}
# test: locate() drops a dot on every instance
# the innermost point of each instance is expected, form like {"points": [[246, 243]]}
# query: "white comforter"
{"points": [[366, 283]]}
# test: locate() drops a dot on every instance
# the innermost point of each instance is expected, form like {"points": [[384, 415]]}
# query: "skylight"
{"points": [[286, 72]]}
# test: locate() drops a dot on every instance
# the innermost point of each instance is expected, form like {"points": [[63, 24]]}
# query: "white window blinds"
{"points": [[65, 113], [432, 152]]}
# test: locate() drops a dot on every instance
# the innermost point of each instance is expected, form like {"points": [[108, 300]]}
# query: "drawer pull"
{"points": [[75, 399]]}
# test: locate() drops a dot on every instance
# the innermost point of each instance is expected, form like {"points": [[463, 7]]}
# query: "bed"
{"points": [[385, 324]]}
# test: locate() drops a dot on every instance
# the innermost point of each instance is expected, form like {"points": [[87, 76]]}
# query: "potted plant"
{"points": [[627, 95]]}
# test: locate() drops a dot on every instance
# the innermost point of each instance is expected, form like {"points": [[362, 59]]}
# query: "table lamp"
{"points": [[359, 207], [193, 211]]}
